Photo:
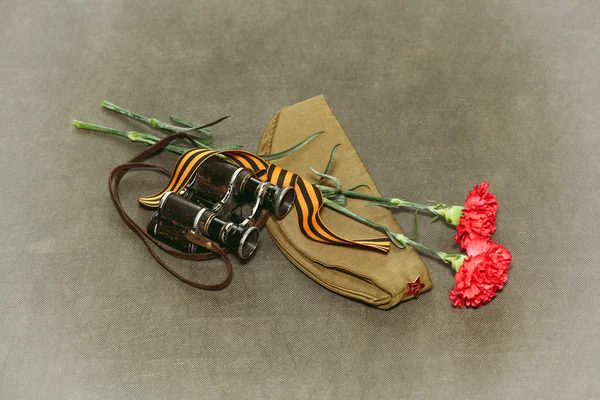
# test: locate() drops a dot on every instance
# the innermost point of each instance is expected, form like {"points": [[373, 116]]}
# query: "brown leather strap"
{"points": [[214, 250]]}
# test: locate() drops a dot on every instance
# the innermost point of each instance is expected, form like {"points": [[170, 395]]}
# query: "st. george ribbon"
{"points": [[308, 201]]}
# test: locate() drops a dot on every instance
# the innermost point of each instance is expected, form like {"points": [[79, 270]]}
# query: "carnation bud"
{"points": [[451, 214], [456, 260]]}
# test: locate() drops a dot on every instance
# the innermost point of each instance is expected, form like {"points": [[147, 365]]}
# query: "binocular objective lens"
{"points": [[283, 202], [248, 242]]}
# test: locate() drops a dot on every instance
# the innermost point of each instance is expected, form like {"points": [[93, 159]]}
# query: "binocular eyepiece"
{"points": [[177, 215]]}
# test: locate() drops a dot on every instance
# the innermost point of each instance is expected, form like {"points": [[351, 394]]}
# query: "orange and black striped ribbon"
{"points": [[309, 199]]}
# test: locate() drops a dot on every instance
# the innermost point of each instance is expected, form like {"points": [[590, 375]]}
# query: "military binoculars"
{"points": [[222, 202]]}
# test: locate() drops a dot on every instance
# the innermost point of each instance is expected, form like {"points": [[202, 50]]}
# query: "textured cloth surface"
{"points": [[436, 96], [379, 279]]}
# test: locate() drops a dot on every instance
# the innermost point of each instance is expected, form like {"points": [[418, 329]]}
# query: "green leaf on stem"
{"points": [[329, 164], [142, 137], [392, 237], [336, 181], [182, 122], [353, 189], [291, 150], [326, 190], [194, 126], [331, 158], [202, 128], [338, 198]]}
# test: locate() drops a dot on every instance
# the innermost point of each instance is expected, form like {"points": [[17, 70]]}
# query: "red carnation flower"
{"points": [[474, 284], [479, 216], [482, 274], [499, 254]]}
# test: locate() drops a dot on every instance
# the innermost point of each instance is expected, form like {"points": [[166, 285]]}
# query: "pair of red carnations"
{"points": [[485, 269]]}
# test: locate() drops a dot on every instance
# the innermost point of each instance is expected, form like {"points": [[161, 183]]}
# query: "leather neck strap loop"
{"points": [[214, 250]]}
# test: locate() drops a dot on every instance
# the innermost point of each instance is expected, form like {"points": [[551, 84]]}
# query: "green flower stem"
{"points": [[153, 122], [396, 202], [419, 246], [396, 237], [150, 139], [451, 214], [414, 206], [134, 136], [99, 128], [343, 210]]}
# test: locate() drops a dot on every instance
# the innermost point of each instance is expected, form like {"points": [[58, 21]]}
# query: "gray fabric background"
{"points": [[436, 96]]}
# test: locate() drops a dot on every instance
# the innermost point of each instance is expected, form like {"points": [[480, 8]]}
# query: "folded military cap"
{"points": [[379, 279]]}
